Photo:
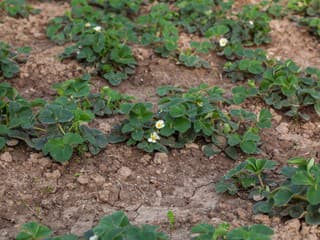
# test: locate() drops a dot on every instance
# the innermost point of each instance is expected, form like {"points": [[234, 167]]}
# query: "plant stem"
{"points": [[260, 180], [300, 197], [61, 129], [40, 129]]}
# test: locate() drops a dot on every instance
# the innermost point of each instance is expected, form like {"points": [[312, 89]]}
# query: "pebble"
{"points": [[12, 142], [124, 172], [160, 158], [6, 157], [53, 175], [293, 225], [98, 179], [106, 127], [261, 218], [283, 128], [83, 180], [192, 146], [110, 195]]}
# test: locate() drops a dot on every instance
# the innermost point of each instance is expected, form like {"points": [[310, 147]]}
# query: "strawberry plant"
{"points": [[184, 117], [295, 195], [117, 227], [250, 174], [158, 30], [199, 16], [10, 58], [208, 232], [298, 195], [287, 86], [60, 127], [283, 85], [100, 36], [310, 14], [113, 227], [17, 8]]}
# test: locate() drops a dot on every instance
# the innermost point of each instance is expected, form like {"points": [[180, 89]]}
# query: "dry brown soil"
{"points": [[76, 195]]}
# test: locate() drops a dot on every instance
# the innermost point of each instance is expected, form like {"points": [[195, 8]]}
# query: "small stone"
{"points": [[82, 225], [293, 224], [261, 218], [158, 193], [53, 175], [124, 173], [106, 127], [34, 157], [110, 195], [241, 213], [192, 146], [160, 158], [258, 197], [44, 162], [145, 159], [83, 180], [283, 128], [195, 218], [12, 142], [98, 179], [6, 157]]}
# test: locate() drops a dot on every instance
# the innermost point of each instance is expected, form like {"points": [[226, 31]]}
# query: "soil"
{"points": [[76, 195]]}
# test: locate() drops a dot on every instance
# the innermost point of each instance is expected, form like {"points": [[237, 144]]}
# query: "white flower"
{"points": [[153, 137], [223, 42], [160, 124], [88, 25], [251, 23], [97, 28], [94, 237]]}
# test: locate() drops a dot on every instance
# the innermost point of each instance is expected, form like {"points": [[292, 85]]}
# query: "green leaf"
{"points": [[313, 215], [302, 178], [59, 151], [110, 227], [115, 78], [282, 197], [177, 111], [72, 139], [313, 194], [265, 119], [33, 231], [181, 124], [234, 139], [249, 147], [2, 142]]}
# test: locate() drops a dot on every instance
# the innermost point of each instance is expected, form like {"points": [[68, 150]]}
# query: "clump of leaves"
{"points": [[117, 227], [249, 63], [250, 174], [157, 29], [17, 8], [100, 34], [295, 195], [184, 117], [199, 16], [287, 86], [112, 227], [298, 195], [208, 232], [310, 14], [10, 58], [283, 85], [58, 128]]}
